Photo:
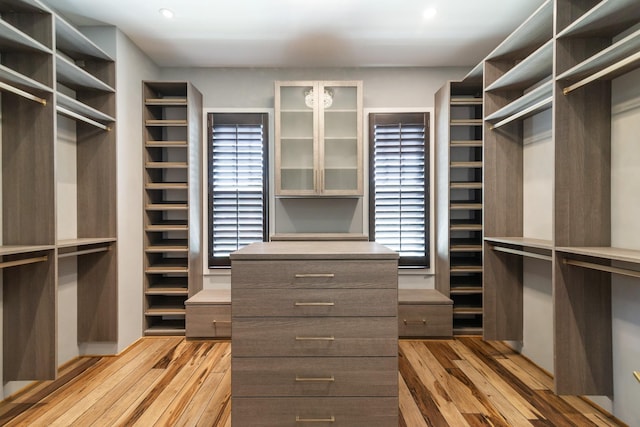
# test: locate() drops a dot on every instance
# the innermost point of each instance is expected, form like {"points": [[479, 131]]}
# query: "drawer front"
{"points": [[314, 376], [328, 336], [208, 321], [315, 411], [314, 302], [314, 274], [427, 320]]}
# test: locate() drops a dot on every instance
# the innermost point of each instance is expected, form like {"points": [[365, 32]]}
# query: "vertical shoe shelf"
{"points": [[173, 203], [459, 166], [47, 69]]}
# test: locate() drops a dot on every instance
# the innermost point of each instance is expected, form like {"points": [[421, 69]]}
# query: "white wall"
{"points": [[384, 88]]}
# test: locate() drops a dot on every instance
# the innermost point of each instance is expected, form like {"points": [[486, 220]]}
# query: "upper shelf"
{"points": [[28, 6], [83, 109], [13, 39], [75, 44], [22, 82], [23, 249], [607, 18], [533, 33], [531, 103], [521, 241], [613, 61], [475, 73], [75, 77], [529, 71]]}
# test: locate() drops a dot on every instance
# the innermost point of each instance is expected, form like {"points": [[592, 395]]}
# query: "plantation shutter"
{"points": [[237, 183], [399, 190]]}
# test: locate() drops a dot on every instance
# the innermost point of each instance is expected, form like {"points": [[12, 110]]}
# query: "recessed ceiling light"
{"points": [[167, 13], [429, 13]]}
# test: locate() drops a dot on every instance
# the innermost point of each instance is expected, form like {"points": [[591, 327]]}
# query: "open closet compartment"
{"points": [[173, 203]]}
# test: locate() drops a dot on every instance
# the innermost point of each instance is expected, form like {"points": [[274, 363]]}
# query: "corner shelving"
{"points": [[172, 220]]}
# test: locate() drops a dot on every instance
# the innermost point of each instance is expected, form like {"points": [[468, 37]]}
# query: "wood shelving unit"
{"points": [[173, 206], [32, 39], [564, 68], [459, 216]]}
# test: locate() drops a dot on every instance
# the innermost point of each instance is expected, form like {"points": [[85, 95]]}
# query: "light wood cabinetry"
{"points": [[172, 203], [569, 69], [315, 334], [318, 130], [49, 69], [209, 314], [459, 202]]}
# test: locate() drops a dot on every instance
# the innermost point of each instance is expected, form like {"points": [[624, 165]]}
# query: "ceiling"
{"points": [[307, 33]]}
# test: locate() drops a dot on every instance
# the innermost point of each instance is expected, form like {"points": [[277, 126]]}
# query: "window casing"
{"points": [[399, 185], [237, 180]]}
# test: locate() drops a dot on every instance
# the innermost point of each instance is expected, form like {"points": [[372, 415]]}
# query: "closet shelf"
{"points": [[466, 269], [22, 82], [84, 241], [166, 122], [466, 122], [475, 73], [76, 78], [167, 247], [607, 18], [167, 227], [527, 105], [521, 241], [167, 207], [465, 206], [603, 252], [166, 165], [460, 101], [166, 144], [531, 34], [75, 44], [465, 248], [174, 291], [469, 143], [466, 290], [23, 249], [470, 165], [467, 310], [529, 71], [82, 109], [166, 186], [466, 185], [166, 327], [165, 102], [617, 59], [466, 227], [166, 269], [165, 311], [12, 40]]}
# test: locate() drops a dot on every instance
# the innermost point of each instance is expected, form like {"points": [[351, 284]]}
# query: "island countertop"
{"points": [[308, 250]]}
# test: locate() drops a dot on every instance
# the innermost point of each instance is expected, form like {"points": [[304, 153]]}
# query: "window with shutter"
{"points": [[237, 183], [399, 174]]}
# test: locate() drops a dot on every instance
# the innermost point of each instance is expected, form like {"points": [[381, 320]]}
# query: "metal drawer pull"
{"points": [[314, 304], [637, 375], [215, 322], [313, 379], [331, 419], [315, 275], [315, 338], [415, 322]]}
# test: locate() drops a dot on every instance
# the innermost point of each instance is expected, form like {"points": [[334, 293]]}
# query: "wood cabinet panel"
{"points": [[331, 336], [315, 376], [315, 302], [422, 320], [314, 274], [293, 412], [208, 321]]}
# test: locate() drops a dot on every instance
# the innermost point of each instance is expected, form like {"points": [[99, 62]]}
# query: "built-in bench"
{"points": [[209, 314], [424, 313]]}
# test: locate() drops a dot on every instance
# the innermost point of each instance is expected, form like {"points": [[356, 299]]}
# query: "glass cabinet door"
{"points": [[318, 138], [340, 132], [297, 143]]}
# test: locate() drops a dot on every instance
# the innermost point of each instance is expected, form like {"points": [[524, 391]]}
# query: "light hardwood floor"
{"points": [[168, 381]]}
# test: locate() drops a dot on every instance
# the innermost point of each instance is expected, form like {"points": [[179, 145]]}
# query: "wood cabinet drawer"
{"points": [[315, 411], [208, 321], [314, 274], [428, 320], [328, 336], [314, 376], [314, 302]]}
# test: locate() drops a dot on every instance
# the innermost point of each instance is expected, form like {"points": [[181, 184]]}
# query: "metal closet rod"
{"points": [[25, 261], [600, 267], [22, 93], [523, 253]]}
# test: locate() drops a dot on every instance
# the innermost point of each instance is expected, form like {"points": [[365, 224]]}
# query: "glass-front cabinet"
{"points": [[318, 138]]}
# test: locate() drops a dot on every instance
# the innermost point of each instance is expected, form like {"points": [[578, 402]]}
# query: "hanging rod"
{"points": [[22, 93], [83, 252], [24, 261], [610, 69], [82, 118], [523, 113], [637, 375], [523, 253], [600, 267]]}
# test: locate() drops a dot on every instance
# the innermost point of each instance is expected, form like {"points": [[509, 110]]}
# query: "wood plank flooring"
{"points": [[168, 381]]}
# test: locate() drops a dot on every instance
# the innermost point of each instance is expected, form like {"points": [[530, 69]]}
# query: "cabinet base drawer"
{"points": [[321, 336], [314, 376], [208, 321], [425, 320], [315, 411]]}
